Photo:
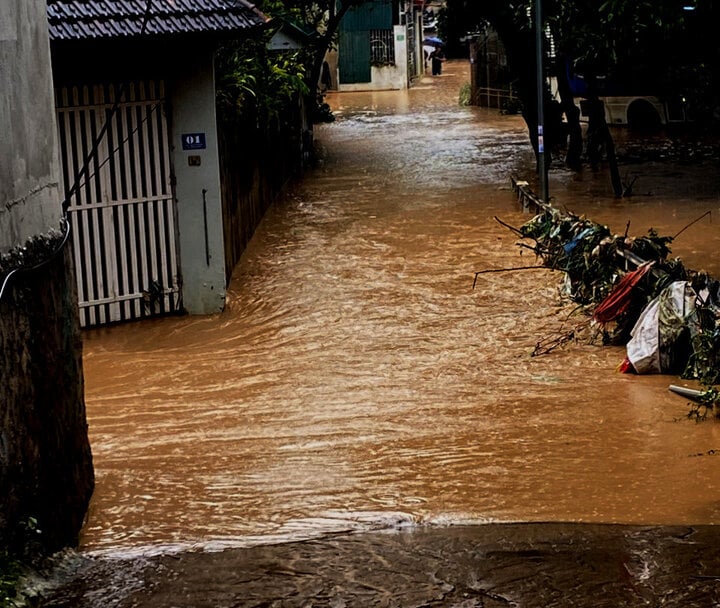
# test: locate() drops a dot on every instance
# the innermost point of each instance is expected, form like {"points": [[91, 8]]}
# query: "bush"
{"points": [[9, 575], [465, 97]]}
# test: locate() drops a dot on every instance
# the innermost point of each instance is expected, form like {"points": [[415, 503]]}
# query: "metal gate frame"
{"points": [[122, 211]]}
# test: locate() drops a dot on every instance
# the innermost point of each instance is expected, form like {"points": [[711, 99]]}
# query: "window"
{"points": [[382, 47]]}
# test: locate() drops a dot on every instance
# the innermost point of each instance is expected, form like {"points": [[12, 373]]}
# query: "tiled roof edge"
{"points": [[104, 19]]}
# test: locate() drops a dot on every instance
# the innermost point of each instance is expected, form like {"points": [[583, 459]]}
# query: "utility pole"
{"points": [[542, 165]]}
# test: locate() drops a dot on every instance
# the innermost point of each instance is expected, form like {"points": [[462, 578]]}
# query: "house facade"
{"points": [[380, 46], [138, 136]]}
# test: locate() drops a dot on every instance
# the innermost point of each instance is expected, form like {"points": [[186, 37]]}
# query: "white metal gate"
{"points": [[122, 211]]}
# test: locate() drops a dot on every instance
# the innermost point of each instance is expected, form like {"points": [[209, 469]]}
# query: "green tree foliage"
{"points": [[638, 47], [649, 46], [322, 17], [256, 85], [311, 15], [9, 573], [654, 47], [19, 556], [252, 81]]}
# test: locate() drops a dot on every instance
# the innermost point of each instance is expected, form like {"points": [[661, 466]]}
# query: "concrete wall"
{"points": [[29, 185], [197, 189], [46, 470]]}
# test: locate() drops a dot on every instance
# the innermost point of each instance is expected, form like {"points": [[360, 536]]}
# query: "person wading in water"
{"points": [[437, 57]]}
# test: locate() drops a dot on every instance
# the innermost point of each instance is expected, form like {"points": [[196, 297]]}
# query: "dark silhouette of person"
{"points": [[437, 57]]}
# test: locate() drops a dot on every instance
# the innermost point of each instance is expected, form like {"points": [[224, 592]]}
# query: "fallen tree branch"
{"points": [[509, 227], [693, 222]]}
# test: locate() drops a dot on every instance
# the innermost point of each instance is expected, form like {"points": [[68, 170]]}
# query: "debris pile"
{"points": [[634, 294]]}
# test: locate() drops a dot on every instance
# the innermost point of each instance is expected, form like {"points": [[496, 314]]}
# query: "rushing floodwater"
{"points": [[357, 380]]}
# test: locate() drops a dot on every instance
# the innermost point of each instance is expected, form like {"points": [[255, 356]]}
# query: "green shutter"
{"points": [[371, 15], [354, 57], [354, 52]]}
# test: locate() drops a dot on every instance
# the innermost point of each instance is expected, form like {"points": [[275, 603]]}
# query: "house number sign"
{"points": [[193, 141]]}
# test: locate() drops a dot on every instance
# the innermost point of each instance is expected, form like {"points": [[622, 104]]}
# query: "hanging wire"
{"points": [[143, 120], [66, 228], [64, 222], [106, 125]]}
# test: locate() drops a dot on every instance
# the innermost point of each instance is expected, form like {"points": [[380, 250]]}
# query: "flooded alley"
{"points": [[356, 382]]}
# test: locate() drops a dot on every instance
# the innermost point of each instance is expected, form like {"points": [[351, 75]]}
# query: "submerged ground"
{"points": [[496, 565], [361, 427]]}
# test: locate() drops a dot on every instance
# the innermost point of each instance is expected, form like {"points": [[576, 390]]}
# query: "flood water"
{"points": [[356, 380]]}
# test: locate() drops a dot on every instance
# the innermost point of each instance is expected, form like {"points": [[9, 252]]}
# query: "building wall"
{"points": [[198, 191], [354, 71], [45, 462], [46, 471], [387, 77], [29, 184], [186, 66]]}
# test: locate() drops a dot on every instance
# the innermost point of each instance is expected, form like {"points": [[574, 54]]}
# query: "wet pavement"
{"points": [[360, 427], [490, 566]]}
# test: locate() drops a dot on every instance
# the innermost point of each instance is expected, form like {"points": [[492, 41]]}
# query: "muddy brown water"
{"points": [[356, 380]]}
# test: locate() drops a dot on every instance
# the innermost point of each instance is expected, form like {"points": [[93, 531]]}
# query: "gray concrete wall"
{"points": [[46, 470], [30, 193], [197, 188]]}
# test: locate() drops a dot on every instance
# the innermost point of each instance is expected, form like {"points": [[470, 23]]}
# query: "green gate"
{"points": [[355, 52], [354, 59]]}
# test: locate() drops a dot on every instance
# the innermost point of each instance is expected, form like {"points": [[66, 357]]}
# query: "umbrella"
{"points": [[433, 41]]}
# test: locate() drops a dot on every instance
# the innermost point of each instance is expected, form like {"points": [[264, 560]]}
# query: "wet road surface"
{"points": [[356, 382], [491, 566]]}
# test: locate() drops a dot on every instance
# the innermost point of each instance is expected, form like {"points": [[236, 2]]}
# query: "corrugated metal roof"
{"points": [[83, 19]]}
